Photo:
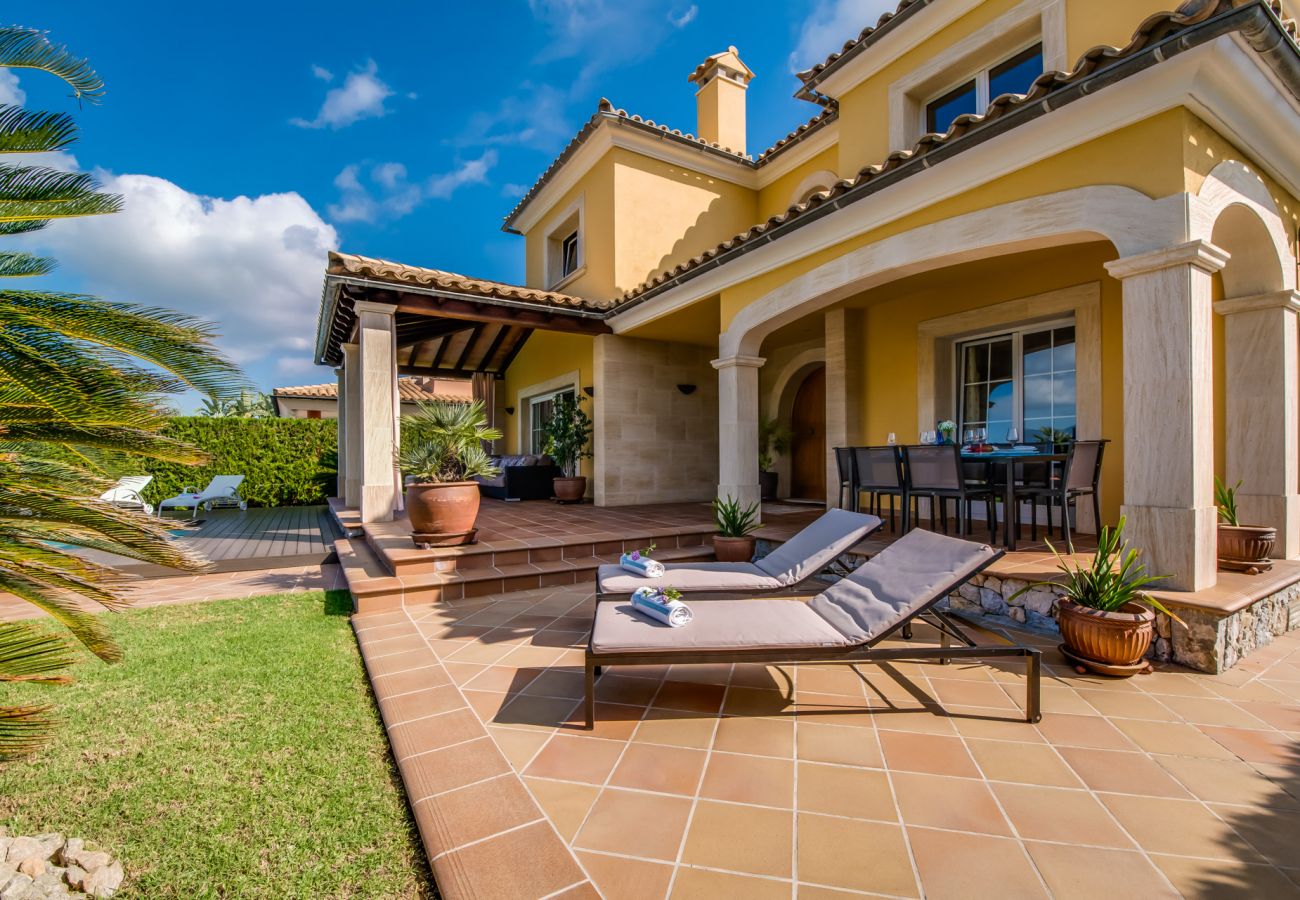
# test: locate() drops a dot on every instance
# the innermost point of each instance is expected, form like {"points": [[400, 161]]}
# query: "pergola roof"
{"points": [[447, 324]]}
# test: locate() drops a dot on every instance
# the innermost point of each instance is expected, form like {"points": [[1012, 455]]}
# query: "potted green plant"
{"points": [[774, 439], [1242, 548], [442, 452], [567, 439], [735, 540], [1107, 622]]}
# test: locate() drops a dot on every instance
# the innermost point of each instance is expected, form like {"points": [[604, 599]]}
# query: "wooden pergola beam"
{"points": [[455, 308]]}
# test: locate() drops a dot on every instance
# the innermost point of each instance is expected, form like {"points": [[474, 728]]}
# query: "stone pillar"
{"points": [[376, 337], [350, 425], [738, 427], [844, 345], [1169, 410], [1262, 349], [340, 453]]}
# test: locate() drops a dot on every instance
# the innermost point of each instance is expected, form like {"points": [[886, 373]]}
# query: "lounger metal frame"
{"points": [[944, 621]]}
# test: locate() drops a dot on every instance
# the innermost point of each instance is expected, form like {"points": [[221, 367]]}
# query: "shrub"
{"points": [[285, 462]]}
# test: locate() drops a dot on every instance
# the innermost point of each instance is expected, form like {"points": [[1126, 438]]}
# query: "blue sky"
{"points": [[250, 141]]}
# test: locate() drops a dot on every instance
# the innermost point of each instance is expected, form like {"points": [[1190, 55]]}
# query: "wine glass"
{"points": [[982, 436], [892, 439], [968, 437], [1013, 436]]}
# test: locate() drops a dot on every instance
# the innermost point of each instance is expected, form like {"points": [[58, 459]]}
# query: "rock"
{"points": [[992, 584], [75, 877], [104, 881], [16, 887], [5, 841], [970, 592], [1018, 614], [33, 867], [71, 847], [1040, 602], [1012, 586], [50, 883], [21, 848], [90, 860], [992, 602], [50, 843]]}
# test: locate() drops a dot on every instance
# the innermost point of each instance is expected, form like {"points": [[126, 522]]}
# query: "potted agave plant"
{"points": [[567, 439], [442, 451], [1242, 548], [774, 439], [735, 540], [1107, 622]]}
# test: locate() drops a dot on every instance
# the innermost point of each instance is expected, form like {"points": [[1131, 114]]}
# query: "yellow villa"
{"points": [[1034, 217]]}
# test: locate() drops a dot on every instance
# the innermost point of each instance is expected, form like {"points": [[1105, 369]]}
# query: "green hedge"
{"points": [[285, 462]]}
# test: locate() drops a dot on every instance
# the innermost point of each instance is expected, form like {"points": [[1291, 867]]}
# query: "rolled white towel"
{"points": [[673, 613], [641, 565]]}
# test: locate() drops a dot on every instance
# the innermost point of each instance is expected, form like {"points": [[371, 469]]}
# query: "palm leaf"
{"points": [[24, 730], [25, 48], [28, 653], [22, 265], [36, 193], [29, 131], [9, 228]]}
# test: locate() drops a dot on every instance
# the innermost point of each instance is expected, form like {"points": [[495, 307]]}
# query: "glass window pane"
{"points": [[977, 362], [1063, 351], [1000, 359], [976, 404], [1037, 352], [940, 113], [1001, 400], [1017, 74], [1038, 397], [1063, 394]]}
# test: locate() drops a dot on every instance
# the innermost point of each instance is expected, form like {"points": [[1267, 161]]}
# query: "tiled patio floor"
{"points": [[904, 781]]}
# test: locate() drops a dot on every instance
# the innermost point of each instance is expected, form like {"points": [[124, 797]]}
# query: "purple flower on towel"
{"points": [[634, 555]]}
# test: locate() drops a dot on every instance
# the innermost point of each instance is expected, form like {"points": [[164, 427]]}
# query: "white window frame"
{"points": [[569, 222], [981, 79], [1016, 333], [532, 406], [542, 390]]}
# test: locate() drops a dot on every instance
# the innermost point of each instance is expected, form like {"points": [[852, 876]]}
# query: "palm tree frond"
{"points": [[28, 653], [23, 265], [26, 227], [24, 730], [30, 131], [26, 48]]}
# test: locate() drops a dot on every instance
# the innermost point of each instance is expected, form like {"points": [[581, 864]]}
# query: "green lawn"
{"points": [[235, 753]]}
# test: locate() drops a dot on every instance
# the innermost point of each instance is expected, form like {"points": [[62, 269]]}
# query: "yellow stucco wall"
{"points": [[595, 192], [778, 196], [547, 355]]}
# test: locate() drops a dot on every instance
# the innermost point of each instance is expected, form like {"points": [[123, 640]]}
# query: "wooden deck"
{"points": [[240, 541]]}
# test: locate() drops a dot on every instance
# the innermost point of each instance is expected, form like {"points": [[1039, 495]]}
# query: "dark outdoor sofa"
{"points": [[521, 478]]}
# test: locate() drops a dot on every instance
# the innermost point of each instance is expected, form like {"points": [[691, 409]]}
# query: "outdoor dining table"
{"points": [[1005, 460]]}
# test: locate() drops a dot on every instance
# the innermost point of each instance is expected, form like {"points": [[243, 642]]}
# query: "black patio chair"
{"points": [[936, 472], [848, 478], [880, 475], [1080, 476]]}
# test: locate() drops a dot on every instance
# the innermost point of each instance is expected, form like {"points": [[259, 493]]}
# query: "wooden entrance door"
{"points": [[808, 451]]}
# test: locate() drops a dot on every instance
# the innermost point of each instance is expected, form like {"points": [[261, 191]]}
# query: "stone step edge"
{"points": [[581, 564]]}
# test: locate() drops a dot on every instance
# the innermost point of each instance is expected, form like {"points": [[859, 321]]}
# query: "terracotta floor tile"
{"points": [[411, 680], [561, 683], [1129, 705], [614, 687], [993, 725], [740, 839], [915, 718], [550, 868], [667, 770], [817, 892], [931, 753], [972, 866], [971, 693], [1203, 711], [1182, 827], [452, 767], [1065, 730], [1228, 781], [478, 811], [749, 779], [702, 884], [645, 825], [833, 744], [627, 879], [752, 702], [1022, 763], [764, 737], [846, 853], [1253, 746], [1225, 878], [417, 704], [940, 802], [685, 695], [506, 679], [434, 732], [831, 680], [1282, 717], [1272, 832], [1085, 873], [614, 721], [571, 758], [676, 728], [564, 803], [519, 746], [535, 712], [1122, 772], [844, 791], [760, 676], [1057, 814], [702, 674]]}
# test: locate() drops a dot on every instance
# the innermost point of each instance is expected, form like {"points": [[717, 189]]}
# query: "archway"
{"points": [[808, 449]]}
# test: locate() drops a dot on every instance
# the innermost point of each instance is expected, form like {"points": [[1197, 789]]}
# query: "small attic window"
{"points": [[565, 250], [569, 255]]}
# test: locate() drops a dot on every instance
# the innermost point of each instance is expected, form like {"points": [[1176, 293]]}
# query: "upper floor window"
{"points": [[565, 250], [1011, 76], [569, 255]]}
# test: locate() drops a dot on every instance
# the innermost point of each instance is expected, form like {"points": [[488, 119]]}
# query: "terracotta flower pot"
{"points": [[733, 549], [446, 510], [1111, 638], [570, 490], [769, 483], [1246, 547]]}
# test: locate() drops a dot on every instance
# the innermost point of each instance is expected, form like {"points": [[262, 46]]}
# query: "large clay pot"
{"points": [[1243, 548], [447, 510], [768, 482], [1118, 638], [570, 490], [733, 549]]}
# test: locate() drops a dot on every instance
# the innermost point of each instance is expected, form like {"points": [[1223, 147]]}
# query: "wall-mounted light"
{"points": [[510, 410], [590, 391], [686, 389]]}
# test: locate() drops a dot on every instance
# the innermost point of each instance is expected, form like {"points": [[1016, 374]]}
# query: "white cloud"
{"points": [[384, 190], [10, 92], [685, 18], [603, 34], [831, 23], [252, 265], [535, 116], [322, 73], [361, 96]]}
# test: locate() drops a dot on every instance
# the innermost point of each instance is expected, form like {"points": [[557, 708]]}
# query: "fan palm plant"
{"points": [[82, 386]]}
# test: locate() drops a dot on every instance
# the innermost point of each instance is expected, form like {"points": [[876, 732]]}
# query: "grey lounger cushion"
{"points": [[898, 581], [719, 624], [801, 557]]}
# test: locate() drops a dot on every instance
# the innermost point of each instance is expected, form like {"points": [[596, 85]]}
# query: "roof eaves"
{"points": [[887, 22]]}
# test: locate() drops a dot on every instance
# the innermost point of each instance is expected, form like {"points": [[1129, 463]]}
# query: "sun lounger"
{"points": [[842, 624], [799, 559], [127, 493], [223, 490]]}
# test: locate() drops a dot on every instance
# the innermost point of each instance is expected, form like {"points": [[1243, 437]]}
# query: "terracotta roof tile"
{"points": [[864, 37], [400, 273], [407, 390]]}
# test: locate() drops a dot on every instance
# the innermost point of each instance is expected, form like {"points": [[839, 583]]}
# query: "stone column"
{"points": [[844, 343], [350, 425], [340, 465], [375, 335], [1262, 349], [1169, 410], [738, 427]]}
